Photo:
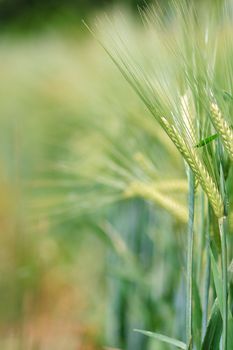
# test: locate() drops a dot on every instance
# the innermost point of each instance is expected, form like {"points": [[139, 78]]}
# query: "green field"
{"points": [[116, 182]]}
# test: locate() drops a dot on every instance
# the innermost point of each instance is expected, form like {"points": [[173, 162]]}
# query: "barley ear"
{"points": [[222, 128], [147, 191], [198, 167]]}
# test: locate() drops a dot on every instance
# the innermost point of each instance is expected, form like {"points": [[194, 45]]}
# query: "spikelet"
{"points": [[223, 129], [197, 166]]}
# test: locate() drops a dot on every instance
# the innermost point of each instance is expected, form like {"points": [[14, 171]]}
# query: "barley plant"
{"points": [[137, 159], [180, 67]]}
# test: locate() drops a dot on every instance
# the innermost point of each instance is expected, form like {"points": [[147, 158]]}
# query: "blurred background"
{"points": [[88, 242]]}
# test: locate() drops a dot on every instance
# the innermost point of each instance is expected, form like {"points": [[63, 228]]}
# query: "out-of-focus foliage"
{"points": [[29, 14], [46, 300], [75, 139], [93, 195]]}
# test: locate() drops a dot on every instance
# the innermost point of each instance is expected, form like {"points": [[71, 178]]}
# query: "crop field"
{"points": [[116, 178]]}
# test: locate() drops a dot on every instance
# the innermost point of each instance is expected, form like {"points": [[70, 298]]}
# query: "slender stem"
{"points": [[223, 238], [191, 197], [207, 277], [222, 229], [201, 237]]}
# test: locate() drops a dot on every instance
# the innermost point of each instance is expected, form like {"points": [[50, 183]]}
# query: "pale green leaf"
{"points": [[177, 343]]}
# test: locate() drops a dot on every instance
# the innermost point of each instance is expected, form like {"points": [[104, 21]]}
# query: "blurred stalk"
{"points": [[191, 203], [128, 303]]}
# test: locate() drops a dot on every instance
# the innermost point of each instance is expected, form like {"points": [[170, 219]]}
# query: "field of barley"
{"points": [[116, 178]]}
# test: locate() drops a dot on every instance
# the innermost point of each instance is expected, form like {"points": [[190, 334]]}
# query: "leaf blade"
{"points": [[172, 341], [214, 329]]}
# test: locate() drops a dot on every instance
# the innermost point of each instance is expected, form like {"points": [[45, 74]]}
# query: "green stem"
{"points": [[207, 277], [222, 229], [201, 237], [223, 238], [191, 197]]}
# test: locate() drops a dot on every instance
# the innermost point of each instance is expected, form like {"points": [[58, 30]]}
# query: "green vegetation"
{"points": [[178, 86], [116, 194]]}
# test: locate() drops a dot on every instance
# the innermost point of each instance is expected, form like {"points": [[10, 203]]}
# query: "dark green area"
{"points": [[23, 15], [27, 14]]}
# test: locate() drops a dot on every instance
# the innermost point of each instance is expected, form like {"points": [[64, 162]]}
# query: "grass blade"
{"points": [[214, 329], [206, 140], [177, 343], [197, 315], [230, 334], [217, 280]]}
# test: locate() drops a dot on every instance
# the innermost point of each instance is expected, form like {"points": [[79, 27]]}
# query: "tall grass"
{"points": [[183, 75], [156, 191]]}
